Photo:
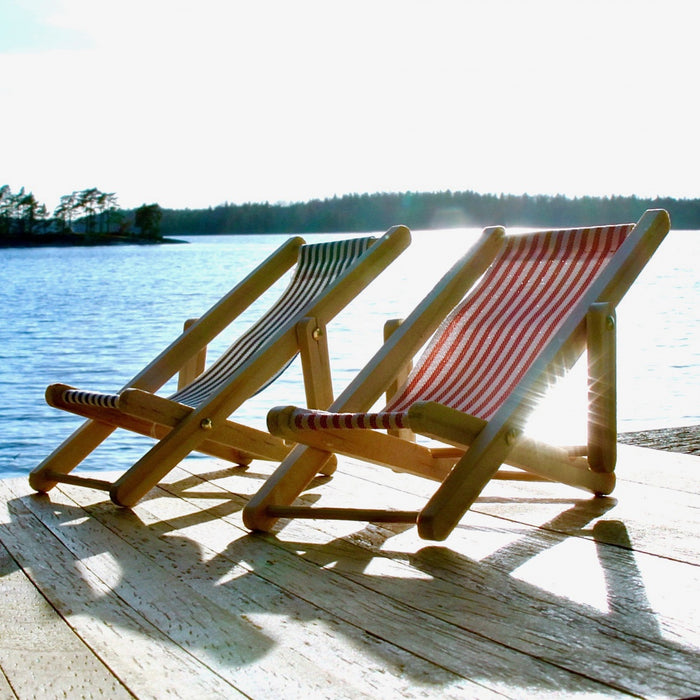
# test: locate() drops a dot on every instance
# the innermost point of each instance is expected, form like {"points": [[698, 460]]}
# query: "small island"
{"points": [[86, 217]]}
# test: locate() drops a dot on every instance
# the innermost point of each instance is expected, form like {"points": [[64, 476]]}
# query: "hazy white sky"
{"points": [[191, 104]]}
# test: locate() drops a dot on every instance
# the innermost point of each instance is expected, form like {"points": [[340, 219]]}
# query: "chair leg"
{"points": [[164, 456], [466, 481], [602, 389], [69, 454], [191, 431], [281, 489]]}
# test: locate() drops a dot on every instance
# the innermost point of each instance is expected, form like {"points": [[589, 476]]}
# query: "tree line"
{"points": [[92, 215], [88, 215], [423, 210]]}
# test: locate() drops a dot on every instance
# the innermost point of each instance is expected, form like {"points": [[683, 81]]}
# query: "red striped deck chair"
{"points": [[535, 303], [326, 277]]}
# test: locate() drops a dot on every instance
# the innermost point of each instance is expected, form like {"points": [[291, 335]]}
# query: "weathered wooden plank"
{"points": [[146, 662], [264, 640], [40, 655], [684, 439], [363, 663], [545, 596], [463, 652], [6, 692], [34, 637], [601, 592], [401, 613], [632, 596], [660, 469], [502, 603], [656, 498]]}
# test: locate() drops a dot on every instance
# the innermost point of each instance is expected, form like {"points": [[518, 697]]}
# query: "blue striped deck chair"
{"points": [[509, 318], [325, 278]]}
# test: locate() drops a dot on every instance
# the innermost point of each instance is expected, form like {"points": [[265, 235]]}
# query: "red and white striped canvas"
{"points": [[490, 340]]}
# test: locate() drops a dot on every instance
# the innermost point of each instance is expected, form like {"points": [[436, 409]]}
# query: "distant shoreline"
{"points": [[69, 240]]}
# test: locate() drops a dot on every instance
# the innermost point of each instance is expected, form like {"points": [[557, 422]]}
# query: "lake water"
{"points": [[93, 317]]}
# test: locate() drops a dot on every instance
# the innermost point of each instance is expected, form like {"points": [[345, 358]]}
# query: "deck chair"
{"points": [[536, 302], [326, 277]]}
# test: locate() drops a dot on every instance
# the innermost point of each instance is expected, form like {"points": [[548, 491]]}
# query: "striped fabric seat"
{"points": [[489, 341], [319, 265]]}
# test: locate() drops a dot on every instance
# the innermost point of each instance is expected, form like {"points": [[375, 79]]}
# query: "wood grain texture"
{"points": [[540, 591], [685, 439]]}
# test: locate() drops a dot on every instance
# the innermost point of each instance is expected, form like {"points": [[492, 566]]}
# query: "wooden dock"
{"points": [[542, 591]]}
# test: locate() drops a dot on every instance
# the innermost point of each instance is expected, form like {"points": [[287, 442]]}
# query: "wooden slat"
{"points": [[482, 612], [622, 633], [539, 591], [401, 625], [147, 662], [263, 639], [40, 655]]}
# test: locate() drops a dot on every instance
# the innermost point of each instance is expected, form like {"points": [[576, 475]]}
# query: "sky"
{"points": [[193, 104]]}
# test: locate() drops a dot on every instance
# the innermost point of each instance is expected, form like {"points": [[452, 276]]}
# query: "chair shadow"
{"points": [[220, 591]]}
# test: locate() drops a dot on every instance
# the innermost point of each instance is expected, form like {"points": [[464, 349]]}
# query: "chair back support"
{"points": [[320, 264], [490, 340]]}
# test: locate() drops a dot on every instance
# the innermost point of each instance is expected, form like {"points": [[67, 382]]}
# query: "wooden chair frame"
{"points": [[180, 429], [477, 448]]}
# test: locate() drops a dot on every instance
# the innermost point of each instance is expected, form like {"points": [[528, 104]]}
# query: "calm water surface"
{"points": [[93, 317]]}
